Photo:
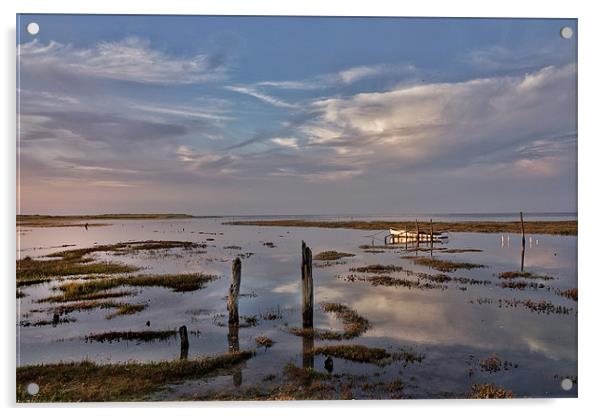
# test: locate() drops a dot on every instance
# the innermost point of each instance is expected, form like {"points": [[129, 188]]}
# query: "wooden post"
{"points": [[522, 255], [431, 237], [183, 342], [233, 293], [307, 287], [405, 230], [417, 234]]}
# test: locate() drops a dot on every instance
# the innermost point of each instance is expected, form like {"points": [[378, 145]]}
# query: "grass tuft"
{"points": [[263, 341]]}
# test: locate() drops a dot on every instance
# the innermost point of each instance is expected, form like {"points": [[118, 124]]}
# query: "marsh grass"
{"points": [[377, 268], [304, 376], [138, 336], [363, 354], [386, 280], [75, 296], [489, 391], [322, 334], [272, 314], [569, 293], [127, 247], [185, 282], [524, 275], [541, 306], [354, 325], [327, 263], [84, 306], [90, 382], [127, 309], [332, 255], [31, 272], [520, 285], [494, 363], [443, 278], [442, 265], [47, 322]]}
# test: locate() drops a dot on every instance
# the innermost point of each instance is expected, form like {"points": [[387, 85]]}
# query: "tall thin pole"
{"points": [[307, 283], [522, 254]]}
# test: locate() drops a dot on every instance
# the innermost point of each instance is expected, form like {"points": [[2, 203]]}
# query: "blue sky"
{"points": [[290, 115]]}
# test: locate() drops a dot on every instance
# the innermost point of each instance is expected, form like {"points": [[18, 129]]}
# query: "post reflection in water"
{"points": [[308, 356], [234, 346]]}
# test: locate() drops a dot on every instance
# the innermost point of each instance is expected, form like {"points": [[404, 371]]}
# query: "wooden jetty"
{"points": [[416, 236]]}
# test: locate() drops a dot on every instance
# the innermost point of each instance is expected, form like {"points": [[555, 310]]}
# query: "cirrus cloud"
{"points": [[131, 59]]}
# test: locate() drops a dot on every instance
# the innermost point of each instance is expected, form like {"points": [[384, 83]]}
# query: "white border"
{"points": [[589, 152]]}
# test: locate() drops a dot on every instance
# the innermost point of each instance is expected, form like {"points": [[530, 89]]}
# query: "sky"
{"points": [[212, 115]]}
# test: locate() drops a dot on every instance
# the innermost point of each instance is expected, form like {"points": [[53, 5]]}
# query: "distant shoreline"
{"points": [[75, 220], [568, 227], [556, 227]]}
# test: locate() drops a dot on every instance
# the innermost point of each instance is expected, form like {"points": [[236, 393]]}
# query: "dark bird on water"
{"points": [[86, 225], [147, 323], [328, 364]]}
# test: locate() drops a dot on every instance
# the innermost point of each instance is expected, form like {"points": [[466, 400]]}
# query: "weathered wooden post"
{"points": [[431, 237], [405, 233], [307, 287], [417, 234], [233, 293], [522, 254], [233, 319], [183, 342]]}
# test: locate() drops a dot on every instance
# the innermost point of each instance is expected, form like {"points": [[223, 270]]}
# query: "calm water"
{"points": [[452, 332]]}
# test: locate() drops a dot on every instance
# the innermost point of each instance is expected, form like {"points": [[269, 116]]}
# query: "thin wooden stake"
{"points": [[307, 283], [431, 237], [183, 342], [417, 234], [233, 293]]}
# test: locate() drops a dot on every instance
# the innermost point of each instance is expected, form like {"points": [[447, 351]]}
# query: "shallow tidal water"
{"points": [[449, 327]]}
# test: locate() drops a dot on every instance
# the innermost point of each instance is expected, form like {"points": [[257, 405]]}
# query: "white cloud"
{"points": [[290, 142], [187, 112], [131, 59], [448, 123]]}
